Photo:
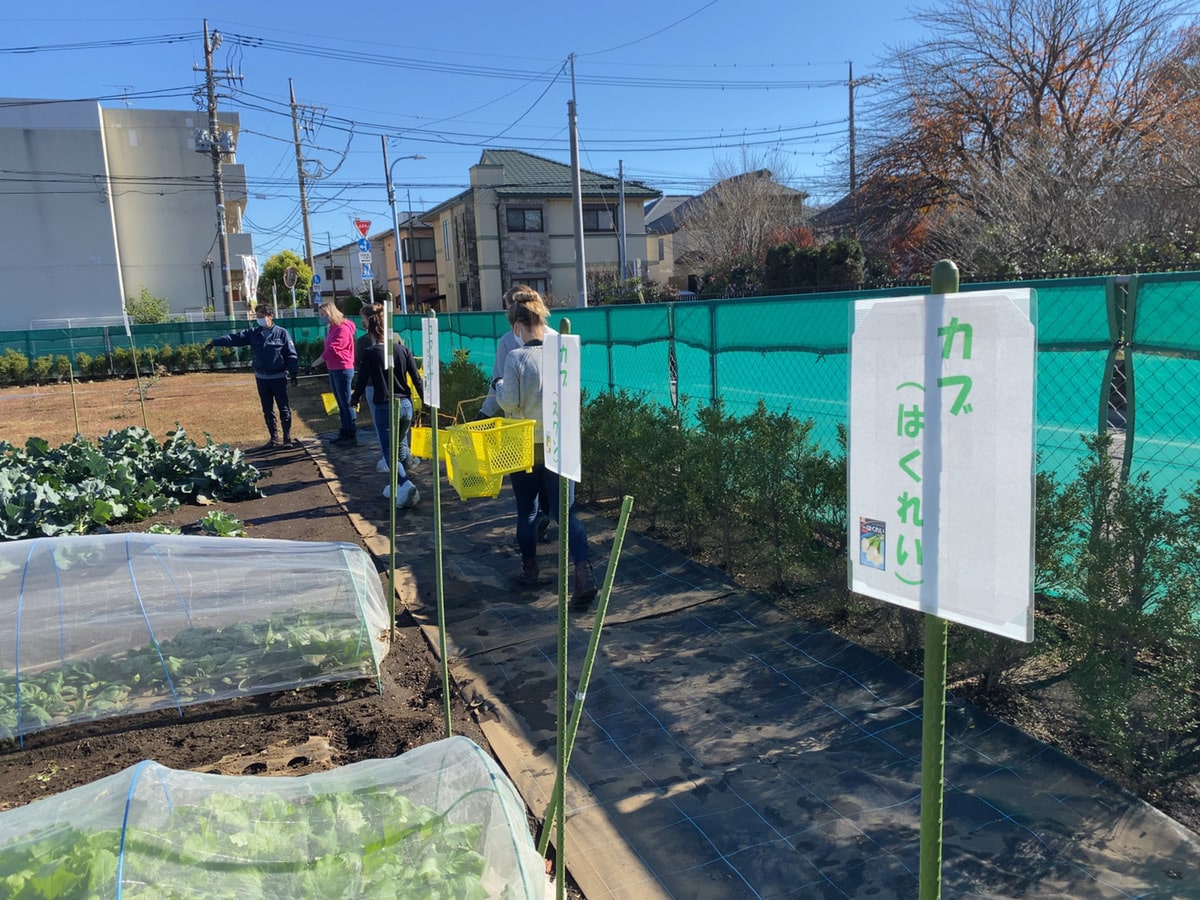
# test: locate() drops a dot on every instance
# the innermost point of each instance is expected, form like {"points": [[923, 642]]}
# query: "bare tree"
{"points": [[747, 209], [1019, 131]]}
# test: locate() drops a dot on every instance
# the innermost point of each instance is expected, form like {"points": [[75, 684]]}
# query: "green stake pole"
{"points": [[74, 399], [560, 775], [393, 409], [435, 465], [933, 704], [137, 374], [585, 676]]}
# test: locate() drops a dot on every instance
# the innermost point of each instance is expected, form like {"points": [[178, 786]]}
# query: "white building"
{"points": [[98, 203]]}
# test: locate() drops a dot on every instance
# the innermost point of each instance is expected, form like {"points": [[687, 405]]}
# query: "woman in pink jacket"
{"points": [[338, 358]]}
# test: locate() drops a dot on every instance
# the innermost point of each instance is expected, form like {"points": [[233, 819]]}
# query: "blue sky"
{"points": [[672, 89]]}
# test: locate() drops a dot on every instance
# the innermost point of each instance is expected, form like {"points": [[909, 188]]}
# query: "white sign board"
{"points": [[430, 359], [560, 404], [941, 456]]}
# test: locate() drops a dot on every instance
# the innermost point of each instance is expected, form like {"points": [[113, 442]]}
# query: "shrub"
{"points": [[40, 371], [14, 367], [100, 367], [147, 309], [309, 351], [189, 358], [633, 447], [122, 361], [1135, 628], [464, 385]]}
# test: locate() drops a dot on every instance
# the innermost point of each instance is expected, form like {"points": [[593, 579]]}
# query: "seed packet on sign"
{"points": [[872, 543]]}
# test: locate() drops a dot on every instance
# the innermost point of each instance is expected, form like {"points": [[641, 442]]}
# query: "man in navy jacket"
{"points": [[275, 364]]}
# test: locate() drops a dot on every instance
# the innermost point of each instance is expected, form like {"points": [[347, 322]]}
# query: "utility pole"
{"points": [[308, 248], [332, 269], [412, 245], [577, 195], [621, 251], [216, 142], [852, 84]]}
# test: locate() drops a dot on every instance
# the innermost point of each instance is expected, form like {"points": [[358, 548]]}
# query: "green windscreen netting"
{"points": [[440, 821], [1163, 369], [109, 625]]}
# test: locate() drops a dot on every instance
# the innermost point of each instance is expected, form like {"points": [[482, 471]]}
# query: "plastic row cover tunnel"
{"points": [[440, 821], [108, 625]]}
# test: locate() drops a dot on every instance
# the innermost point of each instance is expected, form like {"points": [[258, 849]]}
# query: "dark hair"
{"points": [[263, 310], [374, 323]]}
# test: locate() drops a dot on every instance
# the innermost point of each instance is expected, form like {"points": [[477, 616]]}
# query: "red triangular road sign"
{"points": [[363, 226]]}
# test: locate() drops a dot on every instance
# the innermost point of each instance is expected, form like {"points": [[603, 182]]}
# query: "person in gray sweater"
{"points": [[520, 396]]}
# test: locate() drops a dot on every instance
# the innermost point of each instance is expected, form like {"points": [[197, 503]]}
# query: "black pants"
{"points": [[272, 392]]}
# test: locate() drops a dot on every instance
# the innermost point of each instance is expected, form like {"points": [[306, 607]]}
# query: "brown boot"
{"points": [[529, 576], [585, 587]]}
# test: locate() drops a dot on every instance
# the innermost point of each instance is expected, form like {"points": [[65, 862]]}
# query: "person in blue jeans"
{"points": [[406, 378], [372, 380], [520, 396], [338, 359], [275, 364]]}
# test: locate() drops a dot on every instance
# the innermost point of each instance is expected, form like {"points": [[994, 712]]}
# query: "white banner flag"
{"points": [[250, 277]]}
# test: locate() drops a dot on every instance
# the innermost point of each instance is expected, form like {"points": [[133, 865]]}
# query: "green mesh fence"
{"points": [[1162, 369], [791, 354], [1077, 334]]}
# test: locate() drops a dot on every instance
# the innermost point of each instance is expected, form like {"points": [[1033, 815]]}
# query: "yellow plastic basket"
{"points": [[490, 447], [420, 441], [472, 484]]}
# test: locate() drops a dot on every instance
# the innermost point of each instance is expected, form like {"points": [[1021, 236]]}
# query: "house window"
{"points": [[445, 238], [423, 246], [662, 249], [597, 218], [521, 219], [333, 273], [538, 284]]}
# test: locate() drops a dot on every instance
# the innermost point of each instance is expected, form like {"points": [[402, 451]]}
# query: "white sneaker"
{"points": [[382, 465], [407, 496], [412, 463]]}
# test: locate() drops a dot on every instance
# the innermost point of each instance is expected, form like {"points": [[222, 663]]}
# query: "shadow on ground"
{"points": [[729, 749]]}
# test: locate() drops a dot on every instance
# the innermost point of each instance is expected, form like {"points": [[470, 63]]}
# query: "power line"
{"points": [[492, 72], [101, 45]]}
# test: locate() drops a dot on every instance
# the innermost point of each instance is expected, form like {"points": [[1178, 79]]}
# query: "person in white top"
{"points": [[520, 396], [510, 341]]}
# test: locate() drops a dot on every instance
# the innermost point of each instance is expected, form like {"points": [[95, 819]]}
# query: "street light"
{"points": [[391, 193]]}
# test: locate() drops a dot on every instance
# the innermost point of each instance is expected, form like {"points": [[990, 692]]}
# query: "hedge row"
{"points": [[17, 369]]}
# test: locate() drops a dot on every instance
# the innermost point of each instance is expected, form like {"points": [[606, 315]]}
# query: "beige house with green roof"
{"points": [[515, 225]]}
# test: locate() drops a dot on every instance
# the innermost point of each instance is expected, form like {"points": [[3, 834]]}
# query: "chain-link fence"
{"points": [[1120, 353]]}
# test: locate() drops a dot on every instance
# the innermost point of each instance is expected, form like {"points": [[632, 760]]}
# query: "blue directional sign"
{"points": [[366, 272], [316, 278], [363, 245]]}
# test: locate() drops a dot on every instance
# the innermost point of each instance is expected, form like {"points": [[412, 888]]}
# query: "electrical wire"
{"points": [[647, 37]]}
